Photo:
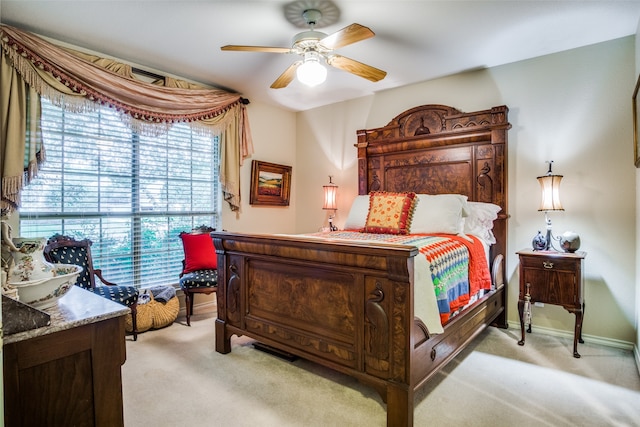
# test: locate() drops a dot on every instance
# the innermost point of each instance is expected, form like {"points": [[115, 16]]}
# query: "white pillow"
{"points": [[358, 214], [439, 213], [480, 220]]}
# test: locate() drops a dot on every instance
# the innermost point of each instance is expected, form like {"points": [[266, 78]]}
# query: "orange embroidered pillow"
{"points": [[389, 213]]}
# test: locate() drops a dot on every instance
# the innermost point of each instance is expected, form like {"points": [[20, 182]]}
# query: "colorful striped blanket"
{"points": [[458, 266]]}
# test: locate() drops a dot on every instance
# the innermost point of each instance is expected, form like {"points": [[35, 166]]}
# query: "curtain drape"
{"points": [[32, 67], [21, 149]]}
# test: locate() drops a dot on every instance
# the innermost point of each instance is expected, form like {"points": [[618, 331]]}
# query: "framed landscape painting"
{"points": [[270, 184]]}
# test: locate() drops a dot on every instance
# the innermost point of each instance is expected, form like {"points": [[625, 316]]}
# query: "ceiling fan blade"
{"points": [[346, 36], [256, 48], [286, 77], [357, 68]]}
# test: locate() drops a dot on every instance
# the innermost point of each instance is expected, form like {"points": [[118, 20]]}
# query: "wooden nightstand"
{"points": [[553, 278]]}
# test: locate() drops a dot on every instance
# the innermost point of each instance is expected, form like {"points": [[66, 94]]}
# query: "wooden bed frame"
{"points": [[349, 306]]}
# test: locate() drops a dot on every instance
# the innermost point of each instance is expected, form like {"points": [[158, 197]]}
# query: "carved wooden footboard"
{"points": [[350, 305], [314, 297], [345, 306]]}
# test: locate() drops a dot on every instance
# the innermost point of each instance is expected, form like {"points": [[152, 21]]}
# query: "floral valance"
{"points": [[32, 67]]}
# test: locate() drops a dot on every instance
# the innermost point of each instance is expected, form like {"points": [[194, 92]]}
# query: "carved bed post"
{"points": [[363, 178], [399, 405]]}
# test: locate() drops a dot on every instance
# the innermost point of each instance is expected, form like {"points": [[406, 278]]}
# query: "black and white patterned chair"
{"points": [[66, 250], [199, 273]]}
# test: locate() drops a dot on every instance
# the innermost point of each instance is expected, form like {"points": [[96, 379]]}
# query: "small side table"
{"points": [[553, 278]]}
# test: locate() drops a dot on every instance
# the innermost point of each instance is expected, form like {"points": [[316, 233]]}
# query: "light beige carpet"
{"points": [[173, 377]]}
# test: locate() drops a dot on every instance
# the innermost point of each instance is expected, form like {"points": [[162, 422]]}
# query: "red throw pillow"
{"points": [[199, 253]]}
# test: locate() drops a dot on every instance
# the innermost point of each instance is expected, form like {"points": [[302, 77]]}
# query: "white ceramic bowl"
{"points": [[44, 293]]}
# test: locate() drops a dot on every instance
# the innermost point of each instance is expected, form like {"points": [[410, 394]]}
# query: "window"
{"points": [[131, 195]]}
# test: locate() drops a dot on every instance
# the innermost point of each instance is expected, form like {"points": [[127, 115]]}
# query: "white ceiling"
{"points": [[415, 40]]}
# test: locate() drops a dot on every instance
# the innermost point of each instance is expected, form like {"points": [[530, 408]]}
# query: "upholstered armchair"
{"points": [[199, 267], [66, 250]]}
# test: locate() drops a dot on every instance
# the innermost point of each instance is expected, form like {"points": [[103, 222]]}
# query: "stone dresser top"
{"points": [[76, 308]]}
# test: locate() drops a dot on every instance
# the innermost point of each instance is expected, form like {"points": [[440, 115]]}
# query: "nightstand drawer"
{"points": [[548, 263]]}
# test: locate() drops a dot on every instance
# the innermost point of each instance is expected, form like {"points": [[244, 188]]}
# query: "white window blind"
{"points": [[131, 195]]}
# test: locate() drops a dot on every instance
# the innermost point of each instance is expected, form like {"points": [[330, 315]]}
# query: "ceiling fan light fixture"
{"points": [[316, 47], [311, 72]]}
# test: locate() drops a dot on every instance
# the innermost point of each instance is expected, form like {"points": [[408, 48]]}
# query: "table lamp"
{"points": [[550, 186], [330, 193]]}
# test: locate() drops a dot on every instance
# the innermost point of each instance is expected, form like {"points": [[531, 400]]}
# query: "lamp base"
{"points": [[548, 242], [548, 239], [331, 226]]}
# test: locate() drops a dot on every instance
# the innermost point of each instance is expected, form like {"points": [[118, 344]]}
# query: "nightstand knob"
{"points": [[547, 264]]}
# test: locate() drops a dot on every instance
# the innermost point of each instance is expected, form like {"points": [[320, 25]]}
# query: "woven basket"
{"points": [[154, 314], [165, 314], [144, 318]]}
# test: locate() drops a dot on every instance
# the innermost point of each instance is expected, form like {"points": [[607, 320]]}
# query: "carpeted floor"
{"points": [[173, 377]]}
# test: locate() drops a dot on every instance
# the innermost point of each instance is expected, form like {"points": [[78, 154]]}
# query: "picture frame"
{"points": [[636, 125], [270, 184]]}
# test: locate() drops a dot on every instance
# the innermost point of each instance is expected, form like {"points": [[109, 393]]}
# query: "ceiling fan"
{"points": [[316, 47]]}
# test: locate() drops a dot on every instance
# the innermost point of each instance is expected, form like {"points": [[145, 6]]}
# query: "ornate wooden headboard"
{"points": [[435, 149]]}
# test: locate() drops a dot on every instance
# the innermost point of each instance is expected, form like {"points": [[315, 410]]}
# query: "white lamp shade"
{"points": [[330, 192], [311, 72], [550, 186]]}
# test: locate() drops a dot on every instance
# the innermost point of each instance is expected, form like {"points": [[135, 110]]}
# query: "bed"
{"points": [[349, 305]]}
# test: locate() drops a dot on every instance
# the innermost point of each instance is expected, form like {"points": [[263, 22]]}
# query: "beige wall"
{"points": [[274, 140], [574, 108], [637, 235]]}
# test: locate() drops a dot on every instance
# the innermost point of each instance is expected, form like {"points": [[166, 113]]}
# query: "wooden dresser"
{"points": [[69, 372], [553, 278]]}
